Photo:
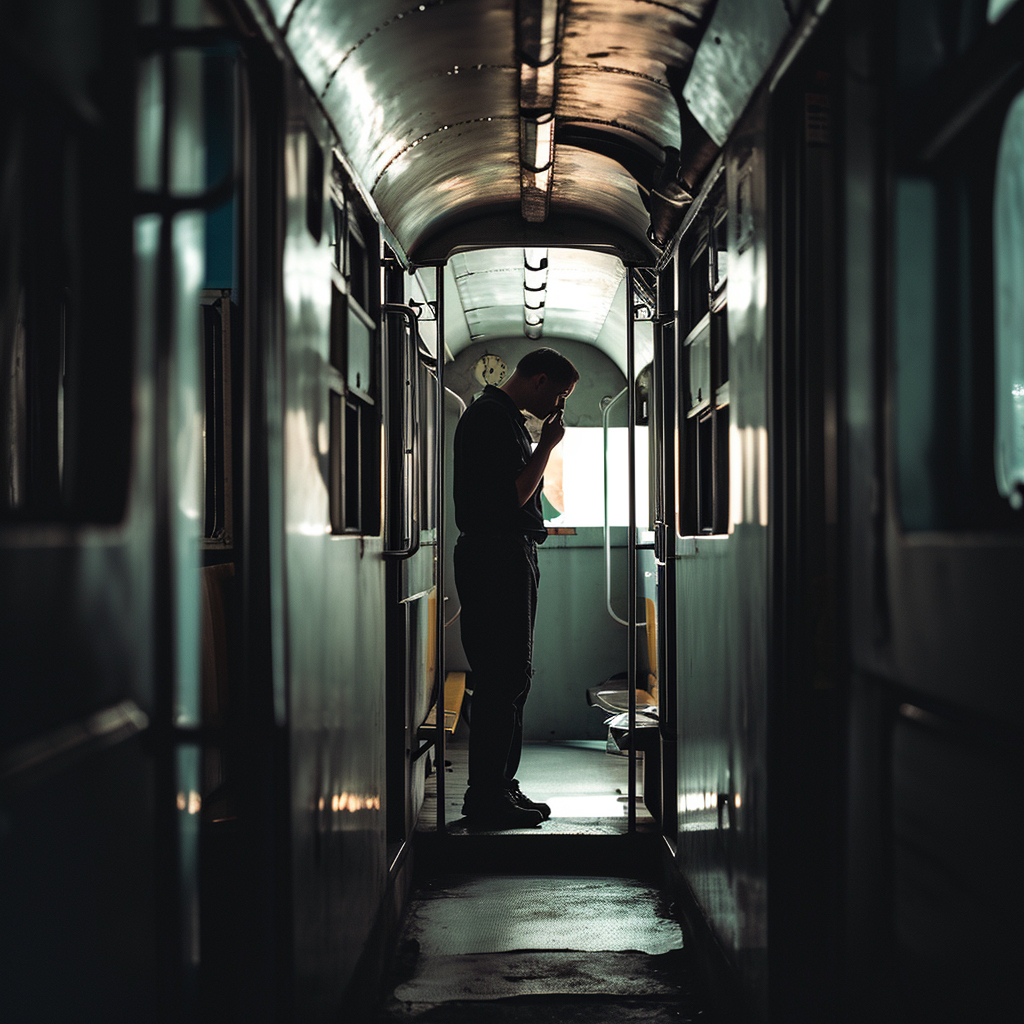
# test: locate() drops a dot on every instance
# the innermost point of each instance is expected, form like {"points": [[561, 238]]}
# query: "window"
{"points": [[698, 276], [1008, 240], [65, 339], [957, 367], [217, 310], [354, 456], [719, 261], [703, 381], [218, 300], [574, 481], [352, 505]]}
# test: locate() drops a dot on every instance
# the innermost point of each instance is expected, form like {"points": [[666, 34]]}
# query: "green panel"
{"points": [[360, 351], [335, 643], [576, 643]]}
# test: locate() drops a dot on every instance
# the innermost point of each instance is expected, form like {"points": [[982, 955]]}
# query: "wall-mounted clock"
{"points": [[490, 369]]}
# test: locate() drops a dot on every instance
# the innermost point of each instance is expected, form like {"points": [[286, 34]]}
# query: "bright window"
{"points": [[574, 479]]}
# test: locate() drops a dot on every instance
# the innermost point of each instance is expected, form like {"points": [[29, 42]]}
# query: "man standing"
{"points": [[498, 481]]}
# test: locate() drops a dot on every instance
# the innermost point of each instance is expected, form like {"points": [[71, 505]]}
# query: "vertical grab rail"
{"points": [[406, 368], [606, 406], [631, 557], [439, 449]]}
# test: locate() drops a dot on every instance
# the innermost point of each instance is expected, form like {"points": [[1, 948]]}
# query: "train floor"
{"points": [[586, 787], [566, 922]]}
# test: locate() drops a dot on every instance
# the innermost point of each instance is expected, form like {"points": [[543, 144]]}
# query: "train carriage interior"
{"points": [[259, 257]]}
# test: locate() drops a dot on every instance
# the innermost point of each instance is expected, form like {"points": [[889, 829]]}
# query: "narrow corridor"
{"points": [[567, 922]]}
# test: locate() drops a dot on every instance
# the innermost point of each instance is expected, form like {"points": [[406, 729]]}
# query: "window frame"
{"points": [[702, 457], [354, 409]]}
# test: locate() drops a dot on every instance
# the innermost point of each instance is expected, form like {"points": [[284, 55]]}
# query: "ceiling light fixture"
{"points": [[537, 23], [535, 283], [535, 269]]}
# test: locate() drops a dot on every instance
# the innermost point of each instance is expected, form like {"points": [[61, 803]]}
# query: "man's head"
{"points": [[543, 380]]}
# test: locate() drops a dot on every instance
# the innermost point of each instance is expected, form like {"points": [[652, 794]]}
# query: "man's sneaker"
{"points": [[499, 812], [522, 800]]}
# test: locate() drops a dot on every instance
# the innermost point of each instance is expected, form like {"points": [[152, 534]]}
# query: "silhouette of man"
{"points": [[498, 481]]}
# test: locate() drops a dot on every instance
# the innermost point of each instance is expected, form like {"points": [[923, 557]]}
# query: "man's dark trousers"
{"points": [[497, 576]]}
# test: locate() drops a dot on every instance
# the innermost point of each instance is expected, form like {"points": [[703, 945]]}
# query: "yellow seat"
{"points": [[454, 692]]}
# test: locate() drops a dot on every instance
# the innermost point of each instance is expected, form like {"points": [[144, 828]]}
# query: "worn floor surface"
{"points": [[517, 944], [509, 948]]}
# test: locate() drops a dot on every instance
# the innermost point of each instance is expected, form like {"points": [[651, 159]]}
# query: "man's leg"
{"points": [[515, 752], [497, 589]]}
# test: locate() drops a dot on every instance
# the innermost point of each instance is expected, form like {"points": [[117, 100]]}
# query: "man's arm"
{"points": [[530, 475]]}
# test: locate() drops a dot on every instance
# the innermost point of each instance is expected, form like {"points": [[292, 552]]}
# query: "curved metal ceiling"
{"points": [[430, 99], [555, 126], [576, 292]]}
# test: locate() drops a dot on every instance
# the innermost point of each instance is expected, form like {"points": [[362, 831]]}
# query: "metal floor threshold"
{"points": [[533, 851]]}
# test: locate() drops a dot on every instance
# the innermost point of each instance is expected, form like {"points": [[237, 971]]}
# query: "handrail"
{"points": [[406, 369], [631, 543], [439, 490], [462, 405], [606, 405], [605, 409]]}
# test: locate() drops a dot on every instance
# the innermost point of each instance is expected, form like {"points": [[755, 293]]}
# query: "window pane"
{"points": [[720, 264], [359, 358], [698, 289], [1008, 231], [582, 477], [700, 370], [353, 450]]}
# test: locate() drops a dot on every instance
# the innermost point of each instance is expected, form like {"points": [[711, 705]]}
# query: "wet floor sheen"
{"points": [[509, 948]]}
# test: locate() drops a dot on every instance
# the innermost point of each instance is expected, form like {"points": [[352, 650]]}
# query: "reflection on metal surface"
{"points": [[699, 801], [351, 802], [537, 87], [739, 45], [537, 36], [27, 762], [537, 25], [748, 475], [190, 802], [997, 8]]}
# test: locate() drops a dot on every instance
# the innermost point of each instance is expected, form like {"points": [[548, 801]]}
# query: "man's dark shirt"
{"points": [[491, 447]]}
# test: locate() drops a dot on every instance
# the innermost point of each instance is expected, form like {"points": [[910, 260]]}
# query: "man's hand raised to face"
{"points": [[553, 429]]}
